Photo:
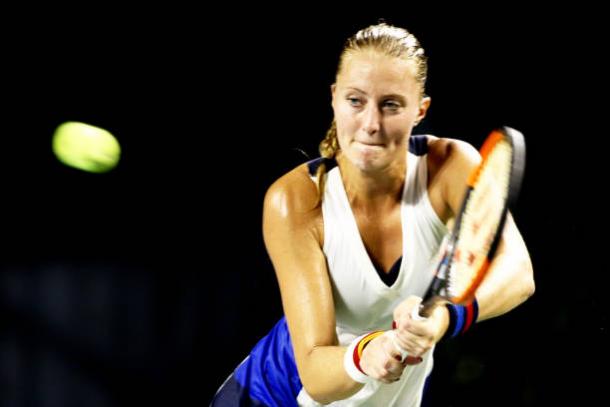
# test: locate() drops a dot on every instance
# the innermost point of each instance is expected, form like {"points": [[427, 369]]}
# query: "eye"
{"points": [[391, 105], [354, 102]]}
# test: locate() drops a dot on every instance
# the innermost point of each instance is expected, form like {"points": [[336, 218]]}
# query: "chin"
{"points": [[368, 164]]}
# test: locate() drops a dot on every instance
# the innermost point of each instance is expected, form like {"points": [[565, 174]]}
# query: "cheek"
{"points": [[346, 119], [341, 113], [400, 125], [346, 125], [342, 137]]}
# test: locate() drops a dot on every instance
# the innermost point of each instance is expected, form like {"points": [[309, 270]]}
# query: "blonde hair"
{"points": [[384, 39]]}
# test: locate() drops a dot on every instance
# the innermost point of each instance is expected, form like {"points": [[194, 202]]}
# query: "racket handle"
{"points": [[426, 307]]}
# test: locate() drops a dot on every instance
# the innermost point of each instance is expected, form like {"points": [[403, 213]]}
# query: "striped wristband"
{"points": [[353, 354], [461, 318]]}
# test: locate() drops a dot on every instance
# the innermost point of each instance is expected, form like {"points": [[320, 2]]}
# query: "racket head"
{"points": [[493, 186]]}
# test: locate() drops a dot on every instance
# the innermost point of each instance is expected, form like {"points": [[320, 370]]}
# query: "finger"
{"points": [[404, 308], [394, 373], [413, 346], [415, 313], [390, 380], [415, 328], [412, 360], [390, 348], [396, 351], [407, 339]]}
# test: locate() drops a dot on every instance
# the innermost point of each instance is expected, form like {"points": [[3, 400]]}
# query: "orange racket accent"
{"points": [[468, 295], [490, 143]]}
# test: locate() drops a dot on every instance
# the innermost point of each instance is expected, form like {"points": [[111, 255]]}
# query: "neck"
{"points": [[372, 190]]}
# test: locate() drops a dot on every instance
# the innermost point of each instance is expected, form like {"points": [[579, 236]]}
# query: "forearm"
{"points": [[509, 283], [324, 376]]}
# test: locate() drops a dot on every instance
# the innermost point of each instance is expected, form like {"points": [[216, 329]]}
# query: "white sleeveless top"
{"points": [[363, 302]]}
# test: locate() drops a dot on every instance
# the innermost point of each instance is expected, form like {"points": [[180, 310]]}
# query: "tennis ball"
{"points": [[86, 147]]}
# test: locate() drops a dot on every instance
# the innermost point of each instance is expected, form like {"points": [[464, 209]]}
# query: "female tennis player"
{"points": [[354, 238]]}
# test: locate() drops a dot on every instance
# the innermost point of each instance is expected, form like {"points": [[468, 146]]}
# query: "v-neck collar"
{"points": [[372, 274]]}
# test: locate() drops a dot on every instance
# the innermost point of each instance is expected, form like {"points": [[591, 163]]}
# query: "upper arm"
{"points": [[290, 227], [457, 160]]}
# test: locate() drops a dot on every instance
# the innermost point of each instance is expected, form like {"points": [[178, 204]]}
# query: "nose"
{"points": [[371, 120]]}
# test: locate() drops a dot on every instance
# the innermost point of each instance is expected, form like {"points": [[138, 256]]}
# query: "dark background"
{"points": [[149, 284]]}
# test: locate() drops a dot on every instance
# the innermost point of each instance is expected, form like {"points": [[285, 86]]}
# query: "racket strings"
{"points": [[481, 219]]}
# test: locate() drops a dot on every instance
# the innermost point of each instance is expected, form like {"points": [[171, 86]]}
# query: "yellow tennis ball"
{"points": [[86, 147]]}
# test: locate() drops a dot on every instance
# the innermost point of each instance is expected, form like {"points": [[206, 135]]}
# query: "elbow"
{"points": [[324, 390], [316, 393], [320, 398], [311, 383], [529, 288], [529, 285], [313, 391]]}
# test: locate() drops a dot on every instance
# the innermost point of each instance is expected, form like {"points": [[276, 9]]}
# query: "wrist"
{"points": [[461, 318], [353, 355], [444, 318]]}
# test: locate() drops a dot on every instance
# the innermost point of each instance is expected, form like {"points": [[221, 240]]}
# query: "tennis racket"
{"points": [[493, 186]]}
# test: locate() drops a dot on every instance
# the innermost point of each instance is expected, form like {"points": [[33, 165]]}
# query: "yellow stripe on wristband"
{"points": [[365, 341]]}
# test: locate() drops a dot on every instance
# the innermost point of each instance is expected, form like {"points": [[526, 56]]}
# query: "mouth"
{"points": [[369, 144]]}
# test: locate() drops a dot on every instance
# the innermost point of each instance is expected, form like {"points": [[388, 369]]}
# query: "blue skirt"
{"points": [[267, 377]]}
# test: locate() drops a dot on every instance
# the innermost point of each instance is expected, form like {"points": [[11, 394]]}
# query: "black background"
{"points": [[151, 283]]}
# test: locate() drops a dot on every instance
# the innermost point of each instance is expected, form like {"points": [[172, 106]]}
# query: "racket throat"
{"points": [[440, 283], [438, 292], [429, 305]]}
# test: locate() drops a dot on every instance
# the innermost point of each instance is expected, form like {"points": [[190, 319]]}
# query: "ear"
{"points": [[333, 89], [424, 104]]}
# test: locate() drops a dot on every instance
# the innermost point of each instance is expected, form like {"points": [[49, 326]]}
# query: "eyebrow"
{"points": [[390, 95]]}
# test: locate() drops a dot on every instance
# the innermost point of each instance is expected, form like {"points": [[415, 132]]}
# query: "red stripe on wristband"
{"points": [[356, 358], [471, 315], [362, 343]]}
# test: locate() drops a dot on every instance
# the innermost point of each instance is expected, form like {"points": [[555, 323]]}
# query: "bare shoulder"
{"points": [[447, 152], [293, 198], [450, 161], [449, 157]]}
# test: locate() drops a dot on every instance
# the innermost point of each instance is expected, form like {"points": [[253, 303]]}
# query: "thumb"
{"points": [[404, 311]]}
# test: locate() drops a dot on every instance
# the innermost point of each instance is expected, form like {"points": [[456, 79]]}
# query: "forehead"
{"points": [[378, 73]]}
